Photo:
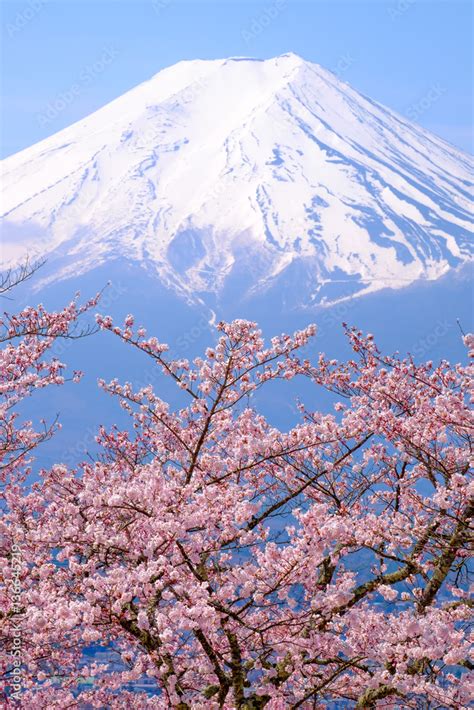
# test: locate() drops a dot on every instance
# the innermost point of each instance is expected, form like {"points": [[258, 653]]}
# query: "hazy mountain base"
{"points": [[421, 319]]}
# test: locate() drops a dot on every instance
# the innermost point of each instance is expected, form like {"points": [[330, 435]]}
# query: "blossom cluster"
{"points": [[225, 563]]}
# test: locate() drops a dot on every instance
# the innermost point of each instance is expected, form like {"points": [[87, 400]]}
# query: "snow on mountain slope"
{"points": [[274, 169]]}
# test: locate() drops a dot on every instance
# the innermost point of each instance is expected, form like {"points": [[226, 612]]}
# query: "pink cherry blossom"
{"points": [[229, 564]]}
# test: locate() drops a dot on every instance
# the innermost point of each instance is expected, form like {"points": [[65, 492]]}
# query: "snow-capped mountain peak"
{"points": [[257, 169]]}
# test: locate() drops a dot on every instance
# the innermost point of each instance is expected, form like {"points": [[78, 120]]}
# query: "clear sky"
{"points": [[62, 59]]}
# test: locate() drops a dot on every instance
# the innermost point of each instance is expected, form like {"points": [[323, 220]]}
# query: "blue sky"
{"points": [[62, 59]]}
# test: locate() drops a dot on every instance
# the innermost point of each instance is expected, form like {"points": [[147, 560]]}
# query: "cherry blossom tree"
{"points": [[26, 365], [225, 563]]}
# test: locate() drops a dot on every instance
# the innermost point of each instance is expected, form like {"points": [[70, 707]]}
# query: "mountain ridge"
{"points": [[216, 167]]}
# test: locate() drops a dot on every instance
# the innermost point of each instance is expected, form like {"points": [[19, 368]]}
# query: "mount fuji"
{"points": [[232, 178]]}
